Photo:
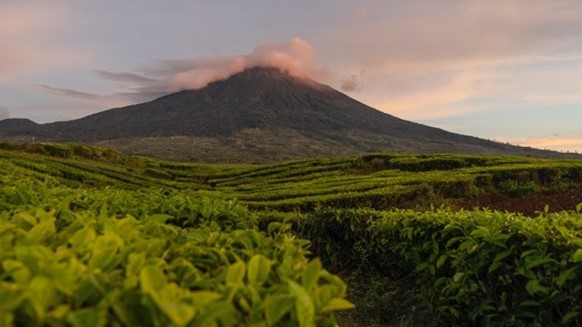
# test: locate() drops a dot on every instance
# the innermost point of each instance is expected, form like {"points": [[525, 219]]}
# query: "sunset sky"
{"points": [[498, 69]]}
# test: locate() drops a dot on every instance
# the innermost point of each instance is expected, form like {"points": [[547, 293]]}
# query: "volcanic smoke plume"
{"points": [[167, 76], [162, 77]]}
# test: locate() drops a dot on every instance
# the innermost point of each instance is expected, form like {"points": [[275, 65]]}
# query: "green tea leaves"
{"points": [[304, 308], [89, 317], [276, 307], [258, 270], [235, 274], [152, 279]]}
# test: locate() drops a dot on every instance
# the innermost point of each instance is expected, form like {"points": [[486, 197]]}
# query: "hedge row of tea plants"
{"points": [[115, 257], [183, 208], [380, 181], [471, 267]]}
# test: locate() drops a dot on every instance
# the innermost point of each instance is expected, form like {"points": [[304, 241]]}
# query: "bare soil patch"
{"points": [[529, 204]]}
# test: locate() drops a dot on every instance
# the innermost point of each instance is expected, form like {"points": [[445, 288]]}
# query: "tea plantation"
{"points": [[89, 237]]}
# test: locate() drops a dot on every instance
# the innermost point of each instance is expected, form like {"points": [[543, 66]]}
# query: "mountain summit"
{"points": [[259, 114]]}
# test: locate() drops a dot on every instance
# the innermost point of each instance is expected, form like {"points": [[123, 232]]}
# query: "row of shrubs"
{"points": [[62, 150], [466, 268]]}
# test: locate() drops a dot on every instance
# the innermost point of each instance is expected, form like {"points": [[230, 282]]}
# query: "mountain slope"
{"points": [[260, 113], [17, 126]]}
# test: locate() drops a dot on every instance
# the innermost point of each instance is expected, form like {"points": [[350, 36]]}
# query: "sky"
{"points": [[504, 70]]}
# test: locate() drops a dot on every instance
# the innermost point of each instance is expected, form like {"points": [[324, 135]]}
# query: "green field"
{"points": [[89, 237]]}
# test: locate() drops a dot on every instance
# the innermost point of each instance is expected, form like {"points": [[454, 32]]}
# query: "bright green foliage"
{"points": [[182, 208], [88, 261]]}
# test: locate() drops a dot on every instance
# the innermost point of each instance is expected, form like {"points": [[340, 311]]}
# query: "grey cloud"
{"points": [[353, 83], [129, 78], [71, 93], [137, 97], [109, 100], [350, 84]]}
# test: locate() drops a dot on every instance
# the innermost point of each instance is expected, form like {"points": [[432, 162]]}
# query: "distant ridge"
{"points": [[261, 114], [16, 124]]}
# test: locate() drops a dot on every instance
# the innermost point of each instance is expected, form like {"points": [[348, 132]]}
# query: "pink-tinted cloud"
{"points": [[439, 97], [400, 36], [419, 55], [26, 35], [555, 142], [295, 56]]}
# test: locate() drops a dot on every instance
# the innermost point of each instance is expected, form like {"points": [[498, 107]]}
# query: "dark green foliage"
{"points": [[470, 267], [516, 188], [427, 164], [499, 269], [158, 173], [62, 150]]}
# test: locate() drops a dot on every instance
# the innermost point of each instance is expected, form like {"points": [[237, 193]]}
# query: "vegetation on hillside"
{"points": [[89, 236]]}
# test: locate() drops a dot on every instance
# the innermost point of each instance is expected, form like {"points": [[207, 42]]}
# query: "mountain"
{"points": [[17, 126], [260, 114]]}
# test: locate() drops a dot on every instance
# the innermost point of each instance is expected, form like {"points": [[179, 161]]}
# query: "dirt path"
{"points": [[527, 204]]}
